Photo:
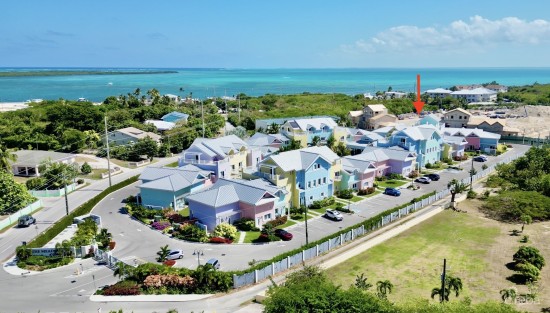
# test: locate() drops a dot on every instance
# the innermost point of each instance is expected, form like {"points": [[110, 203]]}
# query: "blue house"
{"points": [[175, 117], [425, 140], [307, 174], [304, 130], [167, 187], [430, 119]]}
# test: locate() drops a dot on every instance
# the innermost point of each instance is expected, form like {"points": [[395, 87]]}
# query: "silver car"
{"points": [[333, 215], [175, 255]]}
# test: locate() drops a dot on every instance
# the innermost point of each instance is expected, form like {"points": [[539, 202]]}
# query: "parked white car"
{"points": [[175, 255], [334, 215]]}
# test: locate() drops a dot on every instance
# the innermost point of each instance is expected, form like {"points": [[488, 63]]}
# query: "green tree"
{"points": [[341, 150], [73, 140], [383, 288], [315, 140], [529, 255], [530, 272], [13, 196], [6, 158], [525, 219], [86, 168], [293, 145], [146, 146], [273, 128], [455, 187], [163, 253], [510, 293], [58, 175], [330, 141]]}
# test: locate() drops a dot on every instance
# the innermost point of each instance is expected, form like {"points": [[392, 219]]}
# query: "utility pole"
{"points": [[202, 116], [66, 198], [239, 109], [307, 234], [108, 153], [442, 294], [472, 174]]}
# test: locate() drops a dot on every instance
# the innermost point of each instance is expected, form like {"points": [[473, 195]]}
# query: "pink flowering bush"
{"points": [[160, 225]]}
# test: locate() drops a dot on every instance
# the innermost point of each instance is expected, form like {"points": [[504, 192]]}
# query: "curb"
{"points": [[150, 298]]}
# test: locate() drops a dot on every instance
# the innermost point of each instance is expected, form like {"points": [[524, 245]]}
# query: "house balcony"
{"points": [[408, 146]]}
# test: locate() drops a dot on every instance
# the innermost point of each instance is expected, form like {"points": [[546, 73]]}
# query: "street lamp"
{"points": [[472, 173], [198, 253]]}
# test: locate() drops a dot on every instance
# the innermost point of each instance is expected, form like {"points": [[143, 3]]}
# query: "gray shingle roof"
{"points": [[226, 191], [350, 164], [220, 146], [172, 179], [35, 157]]}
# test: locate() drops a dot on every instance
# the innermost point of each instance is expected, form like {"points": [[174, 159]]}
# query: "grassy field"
{"points": [[95, 174], [477, 250]]}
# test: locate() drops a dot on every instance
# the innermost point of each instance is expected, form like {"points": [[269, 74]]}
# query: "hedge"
{"points": [[369, 224], [85, 208]]}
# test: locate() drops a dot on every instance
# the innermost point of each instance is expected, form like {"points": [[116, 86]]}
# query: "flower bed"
{"points": [[161, 225], [220, 240]]}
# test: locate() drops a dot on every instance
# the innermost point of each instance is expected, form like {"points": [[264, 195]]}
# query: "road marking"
{"points": [[139, 229], [5, 249]]}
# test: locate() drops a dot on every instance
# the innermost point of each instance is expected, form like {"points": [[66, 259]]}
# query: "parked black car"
{"points": [[434, 177]]}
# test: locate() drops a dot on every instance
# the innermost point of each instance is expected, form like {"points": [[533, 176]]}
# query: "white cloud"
{"points": [[476, 33]]}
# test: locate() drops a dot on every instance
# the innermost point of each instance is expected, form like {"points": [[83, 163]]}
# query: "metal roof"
{"points": [[226, 191]]}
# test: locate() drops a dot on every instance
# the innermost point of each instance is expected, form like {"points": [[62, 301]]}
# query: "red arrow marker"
{"points": [[418, 105]]}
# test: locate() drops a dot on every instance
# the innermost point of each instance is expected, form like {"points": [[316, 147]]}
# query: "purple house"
{"points": [[394, 160], [229, 200]]}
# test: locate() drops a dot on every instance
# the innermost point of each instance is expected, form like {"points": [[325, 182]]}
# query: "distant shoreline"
{"points": [[79, 73]]}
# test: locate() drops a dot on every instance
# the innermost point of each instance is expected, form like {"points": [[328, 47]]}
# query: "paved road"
{"points": [[54, 209], [60, 290]]}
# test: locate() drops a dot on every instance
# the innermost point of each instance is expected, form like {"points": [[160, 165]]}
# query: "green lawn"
{"points": [[250, 236], [391, 183], [413, 260], [377, 192], [184, 212], [288, 223], [173, 164], [95, 174]]}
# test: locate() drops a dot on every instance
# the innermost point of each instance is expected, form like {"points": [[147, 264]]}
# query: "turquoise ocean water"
{"points": [[219, 82]]}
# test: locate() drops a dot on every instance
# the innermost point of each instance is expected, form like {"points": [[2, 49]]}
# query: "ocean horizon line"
{"points": [[279, 68]]}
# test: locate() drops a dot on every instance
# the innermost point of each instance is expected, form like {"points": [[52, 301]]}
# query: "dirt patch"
{"points": [[533, 120], [505, 245]]}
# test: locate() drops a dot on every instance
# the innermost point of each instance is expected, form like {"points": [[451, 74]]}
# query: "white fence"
{"points": [[53, 193], [15, 216], [334, 242]]}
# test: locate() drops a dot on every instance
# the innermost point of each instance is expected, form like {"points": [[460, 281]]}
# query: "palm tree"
{"points": [[315, 141], [383, 288], [163, 253], [122, 270], [451, 284], [509, 293], [6, 157], [455, 188], [361, 282]]}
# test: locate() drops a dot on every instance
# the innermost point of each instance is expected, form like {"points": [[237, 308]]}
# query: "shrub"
{"points": [[428, 165], [484, 167], [343, 209], [225, 230], [122, 288], [278, 221], [529, 271], [366, 191], [192, 233], [80, 181], [529, 255], [86, 168], [161, 225], [316, 205], [471, 194], [220, 240], [413, 174], [380, 178], [395, 176], [246, 224], [169, 262], [345, 194]]}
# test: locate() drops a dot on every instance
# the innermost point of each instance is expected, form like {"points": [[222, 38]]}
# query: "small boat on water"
{"points": [[109, 83]]}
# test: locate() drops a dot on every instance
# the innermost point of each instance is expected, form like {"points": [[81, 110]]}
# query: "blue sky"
{"points": [[275, 34]]}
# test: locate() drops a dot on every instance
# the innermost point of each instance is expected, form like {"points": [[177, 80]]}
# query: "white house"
{"points": [[476, 95], [28, 161], [127, 135], [438, 93]]}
